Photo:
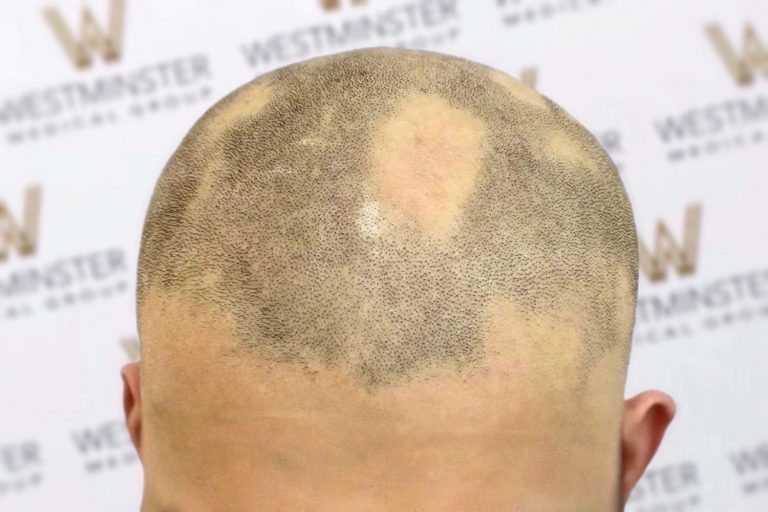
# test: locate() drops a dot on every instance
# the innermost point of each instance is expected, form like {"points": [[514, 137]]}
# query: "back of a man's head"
{"points": [[385, 280]]}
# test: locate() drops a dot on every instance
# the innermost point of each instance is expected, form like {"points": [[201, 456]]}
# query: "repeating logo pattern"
{"points": [[93, 39], [751, 467], [722, 127], [332, 5], [743, 65], [417, 24], [668, 252], [20, 467], [671, 487], [20, 234]]}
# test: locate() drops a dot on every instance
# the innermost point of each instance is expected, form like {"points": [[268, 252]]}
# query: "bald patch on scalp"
{"points": [[367, 213], [562, 146], [519, 89], [241, 105], [425, 159]]}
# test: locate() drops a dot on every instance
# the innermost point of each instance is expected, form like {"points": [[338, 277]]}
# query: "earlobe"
{"points": [[646, 418], [132, 402]]}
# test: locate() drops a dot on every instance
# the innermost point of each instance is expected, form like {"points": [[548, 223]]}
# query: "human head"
{"points": [[388, 280]]}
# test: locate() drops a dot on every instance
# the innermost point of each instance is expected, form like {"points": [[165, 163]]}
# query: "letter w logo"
{"points": [[332, 5], [753, 58], [667, 251], [92, 38], [24, 237]]}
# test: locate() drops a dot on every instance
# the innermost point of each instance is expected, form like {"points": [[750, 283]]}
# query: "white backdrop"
{"points": [[685, 119]]}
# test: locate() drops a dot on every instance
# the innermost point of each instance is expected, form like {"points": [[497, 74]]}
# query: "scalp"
{"points": [[374, 211]]}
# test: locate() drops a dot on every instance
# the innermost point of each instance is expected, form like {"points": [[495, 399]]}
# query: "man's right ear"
{"points": [[132, 402]]}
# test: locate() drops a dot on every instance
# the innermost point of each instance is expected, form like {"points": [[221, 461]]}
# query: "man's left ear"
{"points": [[646, 418], [132, 402]]}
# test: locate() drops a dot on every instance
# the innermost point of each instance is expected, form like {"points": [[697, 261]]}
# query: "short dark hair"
{"points": [[258, 212]]}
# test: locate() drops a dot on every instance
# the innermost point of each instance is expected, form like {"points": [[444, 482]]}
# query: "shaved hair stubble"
{"points": [[386, 227]]}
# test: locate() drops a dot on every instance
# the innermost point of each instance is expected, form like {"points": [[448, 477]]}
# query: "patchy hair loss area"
{"points": [[370, 211]]}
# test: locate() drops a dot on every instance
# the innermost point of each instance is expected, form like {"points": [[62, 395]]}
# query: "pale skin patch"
{"points": [[426, 158], [175, 374], [564, 147], [245, 104], [625, 288], [369, 220], [205, 187], [626, 295], [538, 350], [519, 89], [542, 354]]}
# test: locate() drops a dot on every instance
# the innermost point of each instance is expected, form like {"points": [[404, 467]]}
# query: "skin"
{"points": [[388, 280]]}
